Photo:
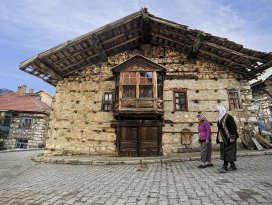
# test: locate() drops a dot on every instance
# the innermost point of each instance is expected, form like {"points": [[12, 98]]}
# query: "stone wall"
{"points": [[262, 103], [209, 94], [35, 135], [45, 97], [78, 126]]}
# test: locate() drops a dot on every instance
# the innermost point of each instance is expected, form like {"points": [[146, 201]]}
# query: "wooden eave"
{"points": [[138, 59], [141, 28]]}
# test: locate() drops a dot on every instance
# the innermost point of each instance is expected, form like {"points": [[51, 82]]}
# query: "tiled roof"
{"points": [[26, 103]]}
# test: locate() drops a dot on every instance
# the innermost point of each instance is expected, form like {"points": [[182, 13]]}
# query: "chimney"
{"points": [[21, 89], [31, 91]]}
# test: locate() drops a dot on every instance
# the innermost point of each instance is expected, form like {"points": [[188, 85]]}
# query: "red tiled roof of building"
{"points": [[25, 103]]}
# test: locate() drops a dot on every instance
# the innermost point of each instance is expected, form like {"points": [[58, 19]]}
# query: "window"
{"points": [[180, 100], [7, 120], [117, 87], [160, 85], [21, 144], [129, 85], [234, 100], [25, 123], [141, 81], [146, 85], [107, 101]]}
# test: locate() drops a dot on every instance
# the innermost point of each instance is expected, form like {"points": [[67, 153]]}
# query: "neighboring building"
{"points": [[135, 86], [262, 95], [45, 97], [24, 119]]}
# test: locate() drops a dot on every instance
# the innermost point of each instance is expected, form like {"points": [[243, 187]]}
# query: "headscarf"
{"points": [[222, 111], [200, 115]]}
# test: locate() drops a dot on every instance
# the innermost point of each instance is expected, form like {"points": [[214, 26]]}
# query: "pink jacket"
{"points": [[204, 130]]}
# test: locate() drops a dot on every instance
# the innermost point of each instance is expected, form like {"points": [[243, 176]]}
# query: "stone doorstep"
{"points": [[20, 150], [134, 161]]}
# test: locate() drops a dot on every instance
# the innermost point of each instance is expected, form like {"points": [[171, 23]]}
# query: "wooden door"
{"points": [[139, 141], [128, 145], [148, 141]]}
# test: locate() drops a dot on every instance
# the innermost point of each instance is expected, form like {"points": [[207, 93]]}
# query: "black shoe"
{"points": [[209, 165], [232, 167], [223, 169], [202, 166]]}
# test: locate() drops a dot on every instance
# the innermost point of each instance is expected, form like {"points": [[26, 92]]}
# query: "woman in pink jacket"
{"points": [[204, 133]]}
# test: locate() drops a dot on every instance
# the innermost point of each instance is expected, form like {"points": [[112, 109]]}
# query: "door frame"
{"points": [[138, 123]]}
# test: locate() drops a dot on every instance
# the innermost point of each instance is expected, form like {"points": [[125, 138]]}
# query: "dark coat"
{"points": [[228, 130]]}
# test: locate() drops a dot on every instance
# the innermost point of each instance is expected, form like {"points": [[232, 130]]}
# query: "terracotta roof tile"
{"points": [[28, 102]]}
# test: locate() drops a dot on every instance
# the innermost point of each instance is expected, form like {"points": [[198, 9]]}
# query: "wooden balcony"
{"points": [[133, 108]]}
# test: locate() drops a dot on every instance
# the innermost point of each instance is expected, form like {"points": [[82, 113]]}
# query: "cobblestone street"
{"points": [[25, 182]]}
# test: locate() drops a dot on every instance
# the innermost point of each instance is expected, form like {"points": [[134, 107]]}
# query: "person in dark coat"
{"points": [[227, 137]]}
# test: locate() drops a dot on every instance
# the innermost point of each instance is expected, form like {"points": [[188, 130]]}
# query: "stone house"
{"points": [[45, 97], [135, 86], [24, 119], [262, 100]]}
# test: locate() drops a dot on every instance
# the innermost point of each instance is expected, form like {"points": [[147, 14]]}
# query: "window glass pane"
{"points": [[110, 97], [234, 99], [149, 75], [106, 99], [145, 78], [117, 81], [142, 74], [160, 92], [25, 123], [180, 100], [129, 91], [146, 91]]}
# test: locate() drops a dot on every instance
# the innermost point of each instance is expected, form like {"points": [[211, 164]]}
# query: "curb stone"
{"points": [[78, 161], [255, 153], [20, 150]]}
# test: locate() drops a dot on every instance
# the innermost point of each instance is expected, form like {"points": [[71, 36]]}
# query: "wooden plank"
{"points": [[223, 59], [263, 67], [232, 51], [124, 43], [121, 35], [171, 40], [74, 54], [49, 70]]}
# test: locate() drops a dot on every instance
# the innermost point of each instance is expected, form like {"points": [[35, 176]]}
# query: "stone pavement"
{"points": [[23, 181]]}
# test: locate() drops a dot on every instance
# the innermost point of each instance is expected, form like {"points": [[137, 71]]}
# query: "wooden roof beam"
{"points": [[97, 44], [171, 40], [47, 69], [197, 43], [145, 26], [223, 59], [214, 45], [262, 67], [96, 55]]}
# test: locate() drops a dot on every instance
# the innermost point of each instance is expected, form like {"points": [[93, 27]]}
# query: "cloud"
{"points": [[13, 76], [43, 24]]}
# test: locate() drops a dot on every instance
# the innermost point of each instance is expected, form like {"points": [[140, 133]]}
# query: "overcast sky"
{"points": [[29, 27]]}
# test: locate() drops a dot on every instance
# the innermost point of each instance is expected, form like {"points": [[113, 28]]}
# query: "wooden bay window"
{"points": [[138, 84]]}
